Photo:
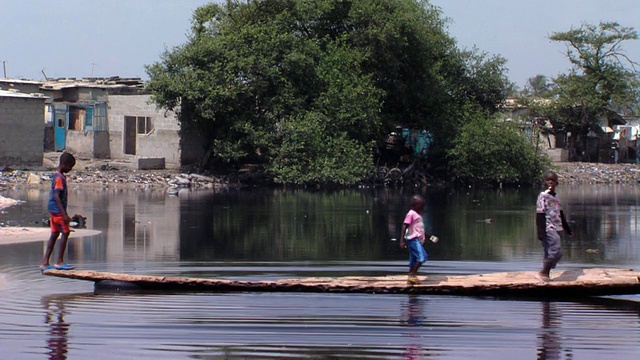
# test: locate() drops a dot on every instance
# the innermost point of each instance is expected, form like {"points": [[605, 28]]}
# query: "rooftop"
{"points": [[92, 82], [16, 94]]}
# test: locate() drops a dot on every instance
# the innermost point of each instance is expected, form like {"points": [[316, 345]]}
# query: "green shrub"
{"points": [[490, 151]]}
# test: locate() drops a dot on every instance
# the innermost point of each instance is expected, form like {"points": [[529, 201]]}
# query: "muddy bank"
{"points": [[105, 175]]}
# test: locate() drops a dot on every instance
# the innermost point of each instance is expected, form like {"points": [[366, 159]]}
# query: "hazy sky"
{"points": [[80, 38]]}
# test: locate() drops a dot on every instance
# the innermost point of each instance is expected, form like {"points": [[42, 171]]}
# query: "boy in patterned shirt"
{"points": [[550, 224]]}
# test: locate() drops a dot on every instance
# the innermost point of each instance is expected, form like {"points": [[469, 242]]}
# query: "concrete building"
{"points": [[110, 118], [21, 128]]}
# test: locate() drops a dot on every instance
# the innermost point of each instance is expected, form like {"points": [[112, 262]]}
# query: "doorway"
{"points": [[130, 134]]}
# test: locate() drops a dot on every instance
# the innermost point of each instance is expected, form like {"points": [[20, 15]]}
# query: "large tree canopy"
{"points": [[305, 87]]}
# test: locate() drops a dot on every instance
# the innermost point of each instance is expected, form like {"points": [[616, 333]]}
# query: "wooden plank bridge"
{"points": [[564, 283]]}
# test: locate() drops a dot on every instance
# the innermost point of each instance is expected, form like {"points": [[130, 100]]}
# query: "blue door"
{"points": [[60, 127], [88, 118]]}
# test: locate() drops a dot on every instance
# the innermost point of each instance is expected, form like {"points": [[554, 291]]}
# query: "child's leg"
{"points": [[63, 247], [552, 252], [50, 244], [417, 257]]}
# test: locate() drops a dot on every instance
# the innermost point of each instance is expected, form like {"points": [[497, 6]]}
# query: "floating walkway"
{"points": [[567, 283]]}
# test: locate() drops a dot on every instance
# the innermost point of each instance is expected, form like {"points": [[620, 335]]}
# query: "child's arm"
{"points": [[541, 219], [541, 225], [403, 244], [565, 224]]}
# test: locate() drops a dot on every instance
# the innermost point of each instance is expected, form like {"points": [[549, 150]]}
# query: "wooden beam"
{"points": [[567, 283]]}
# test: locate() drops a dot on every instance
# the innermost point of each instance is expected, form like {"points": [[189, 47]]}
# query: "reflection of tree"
{"points": [[284, 225], [549, 337], [412, 316], [356, 224], [58, 328]]}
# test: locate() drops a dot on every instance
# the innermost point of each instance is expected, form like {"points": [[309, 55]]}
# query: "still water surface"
{"points": [[273, 234]]}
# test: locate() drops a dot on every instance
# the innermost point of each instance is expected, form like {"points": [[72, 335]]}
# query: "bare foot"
{"points": [[543, 277]]}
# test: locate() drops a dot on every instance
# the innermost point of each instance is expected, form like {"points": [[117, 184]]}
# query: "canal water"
{"points": [[276, 234]]}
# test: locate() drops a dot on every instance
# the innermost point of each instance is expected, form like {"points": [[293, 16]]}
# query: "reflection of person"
{"points": [[549, 346], [413, 317], [58, 217], [413, 236], [58, 330], [550, 223]]}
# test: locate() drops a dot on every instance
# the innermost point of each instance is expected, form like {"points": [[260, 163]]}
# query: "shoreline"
{"points": [[90, 174]]}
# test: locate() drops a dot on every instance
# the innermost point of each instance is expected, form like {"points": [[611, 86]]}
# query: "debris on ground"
{"points": [[106, 175], [597, 173]]}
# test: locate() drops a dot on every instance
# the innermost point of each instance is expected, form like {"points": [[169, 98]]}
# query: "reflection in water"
{"points": [[413, 317], [57, 343], [549, 337], [342, 232], [352, 225]]}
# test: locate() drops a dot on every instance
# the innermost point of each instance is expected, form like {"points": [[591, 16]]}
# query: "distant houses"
{"points": [[93, 118], [614, 140]]}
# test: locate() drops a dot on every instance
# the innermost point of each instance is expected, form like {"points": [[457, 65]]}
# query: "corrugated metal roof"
{"points": [[20, 81], [101, 83], [90, 82], [16, 94]]}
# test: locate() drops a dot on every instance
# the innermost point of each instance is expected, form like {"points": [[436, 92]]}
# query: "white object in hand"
{"points": [[434, 239]]}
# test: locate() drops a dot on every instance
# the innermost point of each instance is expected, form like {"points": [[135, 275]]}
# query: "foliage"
{"points": [[603, 79], [305, 87], [538, 86], [487, 150], [484, 82]]}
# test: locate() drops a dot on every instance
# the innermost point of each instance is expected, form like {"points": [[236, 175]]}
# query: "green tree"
{"points": [[305, 87], [537, 87], [603, 80]]}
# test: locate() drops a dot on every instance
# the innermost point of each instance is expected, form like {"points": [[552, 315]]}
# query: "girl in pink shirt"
{"points": [[412, 237]]}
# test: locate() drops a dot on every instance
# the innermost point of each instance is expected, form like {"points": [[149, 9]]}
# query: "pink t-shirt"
{"points": [[415, 225]]}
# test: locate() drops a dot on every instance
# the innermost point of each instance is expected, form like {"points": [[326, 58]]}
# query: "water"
{"points": [[262, 235]]}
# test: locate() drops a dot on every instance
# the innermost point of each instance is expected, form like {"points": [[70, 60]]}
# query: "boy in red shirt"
{"points": [[58, 217]]}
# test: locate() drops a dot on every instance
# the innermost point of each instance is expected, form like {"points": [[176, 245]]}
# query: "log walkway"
{"points": [[567, 283]]}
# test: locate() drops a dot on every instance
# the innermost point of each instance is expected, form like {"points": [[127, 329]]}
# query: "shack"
{"points": [[21, 128]]}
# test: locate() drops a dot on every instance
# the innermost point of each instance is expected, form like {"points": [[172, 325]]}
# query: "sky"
{"points": [[83, 38]]}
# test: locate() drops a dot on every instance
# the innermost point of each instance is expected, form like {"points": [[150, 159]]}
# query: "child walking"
{"points": [[58, 217], [550, 223], [413, 236]]}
